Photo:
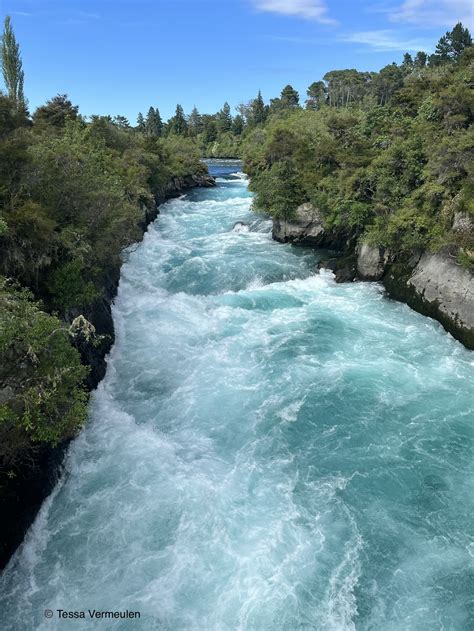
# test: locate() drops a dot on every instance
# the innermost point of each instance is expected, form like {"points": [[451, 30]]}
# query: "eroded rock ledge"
{"points": [[306, 228], [436, 286], [433, 284]]}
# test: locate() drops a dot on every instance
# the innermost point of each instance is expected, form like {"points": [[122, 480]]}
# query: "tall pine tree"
{"points": [[178, 124], [258, 110], [153, 123], [195, 122], [451, 45], [224, 118], [12, 67], [289, 97], [140, 123]]}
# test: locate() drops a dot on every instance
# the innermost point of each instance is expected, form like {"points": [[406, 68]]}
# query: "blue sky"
{"points": [[121, 56]]}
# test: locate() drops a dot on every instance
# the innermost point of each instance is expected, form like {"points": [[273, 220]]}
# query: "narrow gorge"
{"points": [[269, 449]]}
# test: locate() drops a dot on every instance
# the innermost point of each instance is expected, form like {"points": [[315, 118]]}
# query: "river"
{"points": [[268, 450]]}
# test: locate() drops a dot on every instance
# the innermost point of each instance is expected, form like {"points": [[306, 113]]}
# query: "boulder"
{"points": [[343, 267], [304, 227], [371, 261]]}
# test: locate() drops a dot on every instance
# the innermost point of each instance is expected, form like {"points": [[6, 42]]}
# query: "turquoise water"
{"points": [[268, 450]]}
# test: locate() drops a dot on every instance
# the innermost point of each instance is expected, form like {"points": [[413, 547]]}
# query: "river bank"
{"points": [[22, 496], [434, 284]]}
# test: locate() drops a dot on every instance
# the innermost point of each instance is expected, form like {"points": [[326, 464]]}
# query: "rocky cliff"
{"points": [[433, 284], [437, 286]]}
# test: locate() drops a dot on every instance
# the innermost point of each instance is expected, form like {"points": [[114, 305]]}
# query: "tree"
{"points": [[10, 119], [153, 123], [345, 87], [238, 125], [451, 45], [316, 95], [140, 123], [177, 123], [420, 59], [195, 122], [209, 128], [46, 400], [245, 110], [12, 66], [407, 64], [56, 111], [224, 118], [121, 121], [387, 82], [289, 97], [258, 111]]}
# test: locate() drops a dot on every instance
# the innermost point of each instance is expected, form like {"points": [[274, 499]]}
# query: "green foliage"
{"points": [[72, 194], [279, 191], [224, 119], [238, 125], [12, 67], [69, 288], [451, 45], [153, 126], [289, 98], [178, 124], [140, 123], [195, 123], [317, 94], [56, 112], [258, 111], [384, 156], [41, 376]]}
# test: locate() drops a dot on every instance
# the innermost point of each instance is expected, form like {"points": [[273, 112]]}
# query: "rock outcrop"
{"points": [[447, 286], [437, 286], [432, 284], [343, 267], [304, 227], [371, 262]]}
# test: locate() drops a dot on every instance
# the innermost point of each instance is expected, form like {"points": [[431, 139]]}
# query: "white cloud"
{"points": [[306, 9], [23, 14], [385, 40], [434, 12]]}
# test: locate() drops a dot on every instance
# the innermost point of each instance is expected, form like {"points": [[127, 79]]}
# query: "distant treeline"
{"points": [[223, 134]]}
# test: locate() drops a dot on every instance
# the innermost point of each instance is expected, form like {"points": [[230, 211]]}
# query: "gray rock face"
{"points": [[305, 226], [463, 223], [371, 262], [447, 287]]}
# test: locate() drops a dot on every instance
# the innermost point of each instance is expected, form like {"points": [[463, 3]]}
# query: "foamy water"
{"points": [[268, 450]]}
